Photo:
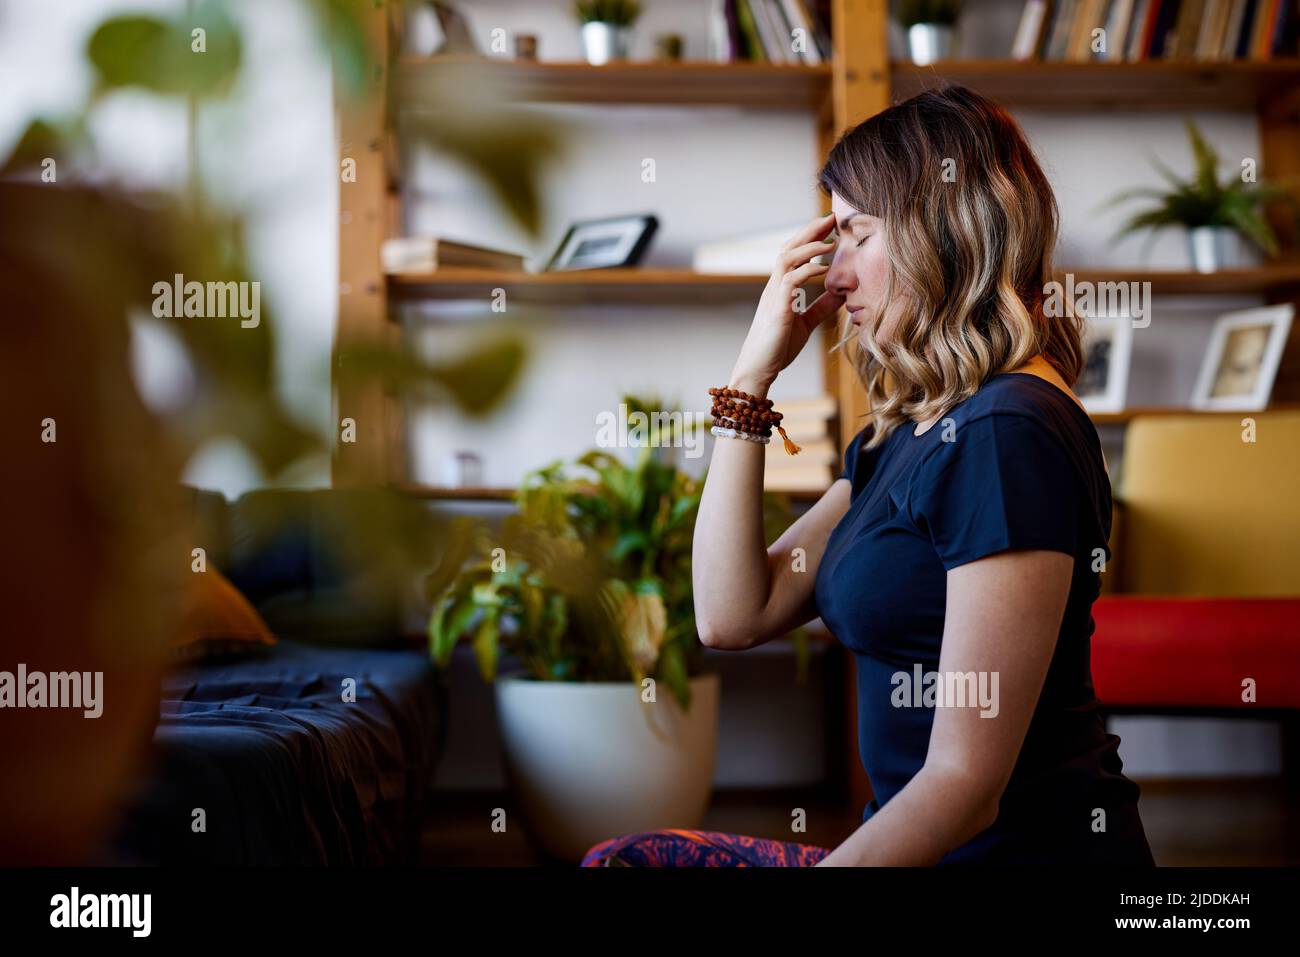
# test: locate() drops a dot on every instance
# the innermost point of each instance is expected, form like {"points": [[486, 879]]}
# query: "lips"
{"points": [[853, 314]]}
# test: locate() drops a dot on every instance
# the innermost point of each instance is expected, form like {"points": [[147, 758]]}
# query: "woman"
{"points": [[961, 548]]}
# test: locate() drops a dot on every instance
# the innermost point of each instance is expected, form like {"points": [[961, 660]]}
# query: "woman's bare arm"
{"points": [[1003, 617], [746, 593]]}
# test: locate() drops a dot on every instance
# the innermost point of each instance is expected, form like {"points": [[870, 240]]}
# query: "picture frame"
{"points": [[609, 243], [1241, 362], [1108, 352]]}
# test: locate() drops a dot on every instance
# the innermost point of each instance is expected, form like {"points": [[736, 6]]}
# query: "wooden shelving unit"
{"points": [[859, 82]]}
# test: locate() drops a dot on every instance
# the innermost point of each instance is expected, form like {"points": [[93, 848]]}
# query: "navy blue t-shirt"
{"points": [[1018, 465]]}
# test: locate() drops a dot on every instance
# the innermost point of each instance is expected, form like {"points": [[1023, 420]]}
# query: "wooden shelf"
{"points": [[683, 83], [1128, 415], [683, 287], [649, 286], [439, 493], [1151, 85], [1274, 277]]}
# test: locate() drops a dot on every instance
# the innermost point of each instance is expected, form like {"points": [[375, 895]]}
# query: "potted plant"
{"points": [[609, 726], [931, 27], [606, 28], [1217, 215]]}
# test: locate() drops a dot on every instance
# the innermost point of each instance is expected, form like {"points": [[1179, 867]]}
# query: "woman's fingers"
{"points": [[797, 277], [817, 229], [798, 255]]}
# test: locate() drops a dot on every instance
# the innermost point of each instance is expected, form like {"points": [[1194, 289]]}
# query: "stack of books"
{"points": [[768, 31], [1134, 30], [420, 254], [808, 423], [754, 253]]}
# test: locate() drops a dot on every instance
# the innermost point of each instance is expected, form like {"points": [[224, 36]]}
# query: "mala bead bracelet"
{"points": [[741, 412]]}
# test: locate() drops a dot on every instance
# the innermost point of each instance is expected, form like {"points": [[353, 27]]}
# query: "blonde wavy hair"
{"points": [[970, 223]]}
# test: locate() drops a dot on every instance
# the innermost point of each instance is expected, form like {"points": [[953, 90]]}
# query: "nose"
{"points": [[840, 278]]}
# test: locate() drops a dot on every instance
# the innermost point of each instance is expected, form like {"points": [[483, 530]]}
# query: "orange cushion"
{"points": [[217, 620]]}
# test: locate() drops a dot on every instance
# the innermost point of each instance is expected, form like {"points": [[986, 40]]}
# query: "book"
{"points": [[816, 478], [429, 253], [1117, 30], [1138, 34], [1088, 18], [799, 19], [748, 27], [1029, 34], [1187, 28], [1247, 30], [1214, 23], [1162, 29], [721, 49], [1227, 49], [1286, 30], [1264, 19], [821, 27], [769, 35], [1062, 21], [752, 254]]}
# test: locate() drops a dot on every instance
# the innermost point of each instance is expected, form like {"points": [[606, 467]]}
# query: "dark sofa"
{"points": [[320, 750]]}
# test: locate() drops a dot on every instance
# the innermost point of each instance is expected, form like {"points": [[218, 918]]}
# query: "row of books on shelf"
{"points": [[768, 31], [1132, 30]]}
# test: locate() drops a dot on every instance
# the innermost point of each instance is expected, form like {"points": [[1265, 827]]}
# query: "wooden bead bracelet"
{"points": [[741, 412]]}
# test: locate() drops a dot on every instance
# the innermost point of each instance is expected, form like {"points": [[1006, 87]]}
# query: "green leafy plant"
{"points": [[1204, 200], [620, 13], [591, 579], [944, 12]]}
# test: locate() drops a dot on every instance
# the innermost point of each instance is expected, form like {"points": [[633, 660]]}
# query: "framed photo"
{"points": [[1107, 349], [1241, 362], [604, 243]]}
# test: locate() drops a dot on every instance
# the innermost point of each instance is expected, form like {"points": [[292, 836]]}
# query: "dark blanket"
{"points": [[285, 768]]}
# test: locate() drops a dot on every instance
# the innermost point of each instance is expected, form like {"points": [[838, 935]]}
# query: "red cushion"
{"points": [[1196, 652]]}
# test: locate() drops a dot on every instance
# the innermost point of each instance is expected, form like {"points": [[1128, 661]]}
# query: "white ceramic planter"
{"points": [[1213, 248], [931, 42], [603, 42], [590, 761]]}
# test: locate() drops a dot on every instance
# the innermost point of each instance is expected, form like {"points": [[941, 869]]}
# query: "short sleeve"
{"points": [[853, 455], [1004, 481]]}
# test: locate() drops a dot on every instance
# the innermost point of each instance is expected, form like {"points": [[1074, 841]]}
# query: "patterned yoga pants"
{"points": [[683, 848]]}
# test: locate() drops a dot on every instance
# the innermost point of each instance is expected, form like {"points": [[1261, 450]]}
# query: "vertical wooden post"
{"points": [[363, 306], [859, 89], [1279, 138]]}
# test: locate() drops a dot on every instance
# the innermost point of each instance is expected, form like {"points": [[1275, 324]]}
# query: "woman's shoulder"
{"points": [[1028, 407]]}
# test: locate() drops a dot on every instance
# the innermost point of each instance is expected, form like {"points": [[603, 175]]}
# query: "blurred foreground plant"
{"points": [[99, 542]]}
